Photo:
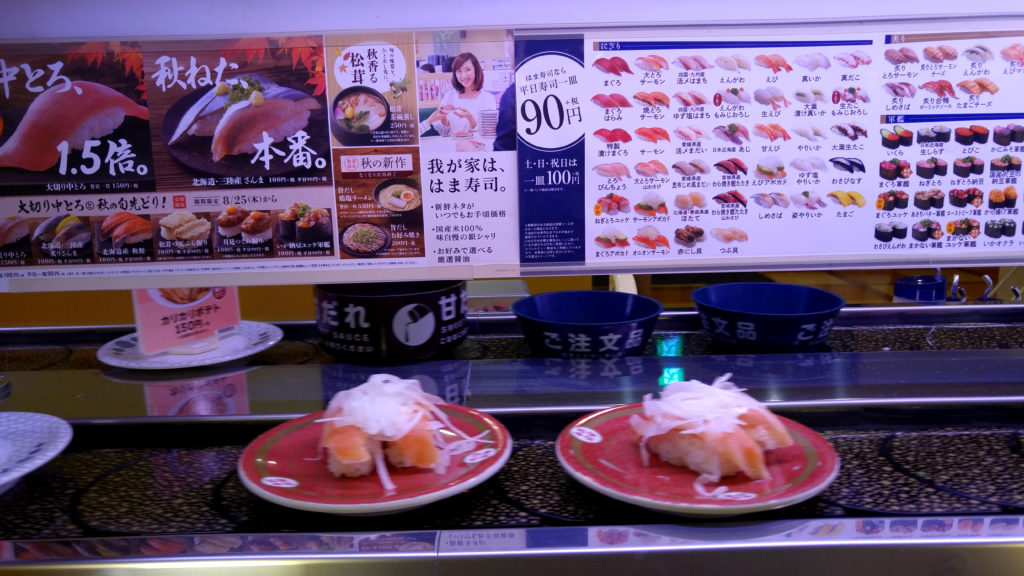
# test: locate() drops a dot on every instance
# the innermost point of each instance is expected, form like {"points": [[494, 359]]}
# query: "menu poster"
{"points": [[74, 120], [369, 80], [379, 202], [238, 113], [466, 98], [550, 127], [803, 148]]}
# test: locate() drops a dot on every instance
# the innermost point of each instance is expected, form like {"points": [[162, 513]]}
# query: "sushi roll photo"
{"points": [[256, 228], [899, 229], [1002, 136], [994, 229], [922, 200], [925, 169], [1010, 197], [883, 232], [964, 135], [1009, 227], [314, 226]]}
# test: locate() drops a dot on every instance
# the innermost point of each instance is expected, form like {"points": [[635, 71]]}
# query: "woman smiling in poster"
{"points": [[459, 112]]}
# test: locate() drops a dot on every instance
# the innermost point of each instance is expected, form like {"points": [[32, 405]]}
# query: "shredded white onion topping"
{"points": [[387, 408], [691, 407]]}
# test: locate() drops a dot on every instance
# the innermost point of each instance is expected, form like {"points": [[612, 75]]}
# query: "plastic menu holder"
{"points": [[184, 320]]}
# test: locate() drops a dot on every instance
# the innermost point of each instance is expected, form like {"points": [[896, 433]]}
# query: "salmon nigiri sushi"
{"points": [[386, 420], [715, 430]]}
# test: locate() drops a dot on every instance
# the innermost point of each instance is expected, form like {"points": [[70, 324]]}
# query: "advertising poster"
{"points": [[465, 93], [380, 203], [482, 153], [865, 146], [551, 122], [238, 113]]}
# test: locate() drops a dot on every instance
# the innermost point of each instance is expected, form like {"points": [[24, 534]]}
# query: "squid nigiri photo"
{"points": [[74, 114]]}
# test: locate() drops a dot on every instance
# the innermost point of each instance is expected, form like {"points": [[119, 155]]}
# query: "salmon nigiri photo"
{"points": [[715, 430]]}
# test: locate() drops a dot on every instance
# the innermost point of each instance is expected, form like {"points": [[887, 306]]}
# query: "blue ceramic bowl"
{"points": [[767, 316], [587, 324]]}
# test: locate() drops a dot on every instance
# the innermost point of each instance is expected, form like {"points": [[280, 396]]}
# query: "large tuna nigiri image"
{"points": [[83, 111]]}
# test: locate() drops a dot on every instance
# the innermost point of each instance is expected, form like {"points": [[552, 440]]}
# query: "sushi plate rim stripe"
{"points": [[818, 470], [46, 437], [252, 469], [124, 352]]}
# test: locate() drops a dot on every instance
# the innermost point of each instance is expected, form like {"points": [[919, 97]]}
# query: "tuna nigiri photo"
{"points": [[81, 112]]}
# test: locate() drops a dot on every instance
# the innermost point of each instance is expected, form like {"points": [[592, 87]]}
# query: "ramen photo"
{"points": [[399, 198]]}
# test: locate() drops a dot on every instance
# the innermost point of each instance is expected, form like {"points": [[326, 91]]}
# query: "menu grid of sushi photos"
{"points": [[253, 154], [387, 153], [881, 146]]}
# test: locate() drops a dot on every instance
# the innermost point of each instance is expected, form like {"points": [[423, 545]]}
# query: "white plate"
{"points": [[250, 338], [27, 441]]}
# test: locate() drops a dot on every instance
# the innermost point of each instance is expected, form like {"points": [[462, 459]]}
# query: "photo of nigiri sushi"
{"points": [[649, 237], [612, 135], [14, 234], [614, 65], [695, 62], [382, 447], [66, 114], [651, 205], [813, 61], [611, 237], [65, 237], [230, 129], [733, 63], [122, 229], [775, 62], [612, 100], [651, 63]]}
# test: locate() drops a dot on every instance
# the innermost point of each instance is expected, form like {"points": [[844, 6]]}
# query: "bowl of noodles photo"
{"points": [[357, 112], [398, 195]]}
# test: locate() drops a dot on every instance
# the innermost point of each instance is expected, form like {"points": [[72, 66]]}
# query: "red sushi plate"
{"points": [[601, 451], [285, 466]]}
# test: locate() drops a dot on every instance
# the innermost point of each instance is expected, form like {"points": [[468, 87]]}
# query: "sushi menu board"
{"points": [[847, 148], [482, 153]]}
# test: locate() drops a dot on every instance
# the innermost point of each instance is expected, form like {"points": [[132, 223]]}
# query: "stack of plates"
{"points": [[488, 123]]}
